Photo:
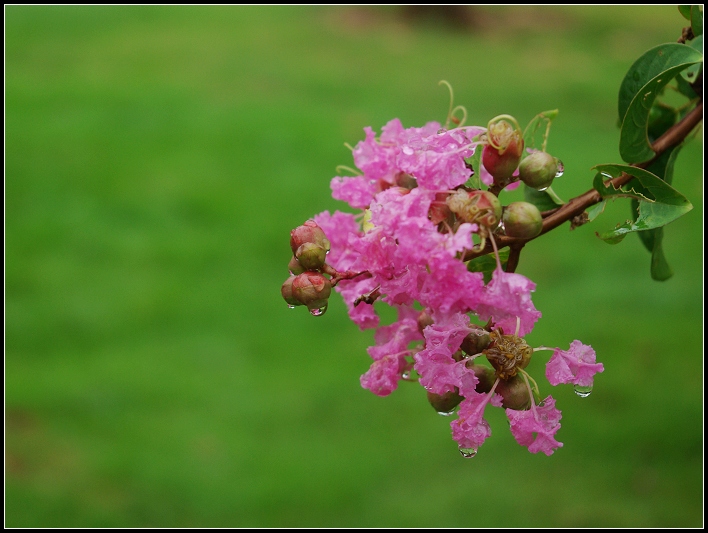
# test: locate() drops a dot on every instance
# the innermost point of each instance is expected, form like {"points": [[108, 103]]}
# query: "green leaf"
{"points": [[685, 88], [540, 199], [475, 180], [488, 263], [697, 20], [691, 73], [596, 210], [659, 203], [685, 11], [640, 87], [542, 119], [652, 239]]}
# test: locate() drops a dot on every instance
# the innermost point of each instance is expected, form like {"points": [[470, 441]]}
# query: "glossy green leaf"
{"points": [[659, 203], [488, 263], [697, 20], [652, 239], [540, 199], [691, 73], [634, 143], [650, 65], [684, 87], [685, 11], [541, 120]]}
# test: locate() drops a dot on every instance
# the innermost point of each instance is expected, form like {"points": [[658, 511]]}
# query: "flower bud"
{"points": [[311, 256], [308, 232], [445, 403], [515, 393], [538, 170], [503, 153], [476, 206], [484, 374], [439, 209], [476, 341], [522, 219], [287, 291], [311, 289], [295, 267]]}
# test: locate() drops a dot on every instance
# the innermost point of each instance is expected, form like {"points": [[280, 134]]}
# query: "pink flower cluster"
{"points": [[412, 261]]}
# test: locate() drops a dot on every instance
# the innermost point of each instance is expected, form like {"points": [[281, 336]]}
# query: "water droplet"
{"points": [[582, 391], [561, 168], [441, 131], [468, 453], [446, 413], [291, 306], [406, 375], [544, 188], [318, 311]]}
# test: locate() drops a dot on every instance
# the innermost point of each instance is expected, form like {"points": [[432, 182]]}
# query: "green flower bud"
{"points": [[480, 207], [522, 219], [476, 341], [445, 403], [308, 232], [515, 393], [311, 256], [484, 374], [538, 170], [295, 267]]}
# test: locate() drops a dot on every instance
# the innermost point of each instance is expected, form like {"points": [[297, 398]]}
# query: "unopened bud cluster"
{"points": [[307, 285]]}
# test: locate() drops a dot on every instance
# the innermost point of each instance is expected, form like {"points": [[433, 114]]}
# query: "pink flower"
{"points": [[576, 366], [543, 421], [357, 191], [507, 297], [470, 430], [383, 376]]}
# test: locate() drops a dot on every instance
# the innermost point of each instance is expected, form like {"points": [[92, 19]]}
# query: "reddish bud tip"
{"points": [[311, 289], [308, 232], [503, 154]]}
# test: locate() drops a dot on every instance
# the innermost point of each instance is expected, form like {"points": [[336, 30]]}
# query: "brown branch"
{"points": [[673, 136]]}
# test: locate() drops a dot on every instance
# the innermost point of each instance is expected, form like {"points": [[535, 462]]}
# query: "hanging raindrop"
{"points": [[468, 453], [318, 311], [561, 168], [582, 391]]}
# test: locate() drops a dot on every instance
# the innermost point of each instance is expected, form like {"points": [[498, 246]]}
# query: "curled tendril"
{"points": [[452, 110], [353, 171]]}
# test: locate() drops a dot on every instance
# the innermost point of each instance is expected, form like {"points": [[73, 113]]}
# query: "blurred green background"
{"points": [[156, 160]]}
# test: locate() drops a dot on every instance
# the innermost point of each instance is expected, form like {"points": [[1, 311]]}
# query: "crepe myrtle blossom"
{"points": [[421, 209]]}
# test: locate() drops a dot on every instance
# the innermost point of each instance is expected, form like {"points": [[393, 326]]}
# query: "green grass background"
{"points": [[157, 158]]}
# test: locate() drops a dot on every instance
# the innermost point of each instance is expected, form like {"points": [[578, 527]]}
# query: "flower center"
{"points": [[507, 353]]}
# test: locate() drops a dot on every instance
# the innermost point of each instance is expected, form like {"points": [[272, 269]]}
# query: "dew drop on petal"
{"points": [[561, 168], [318, 311], [582, 391], [468, 453]]}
